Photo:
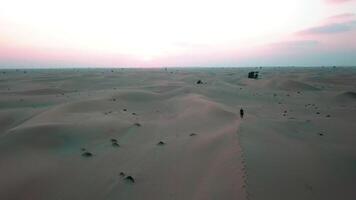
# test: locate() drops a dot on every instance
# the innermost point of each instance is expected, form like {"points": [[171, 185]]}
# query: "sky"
{"points": [[177, 33]]}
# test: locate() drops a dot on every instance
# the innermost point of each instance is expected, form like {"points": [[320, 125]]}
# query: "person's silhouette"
{"points": [[241, 113]]}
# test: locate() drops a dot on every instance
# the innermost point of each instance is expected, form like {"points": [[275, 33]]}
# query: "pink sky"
{"points": [[159, 33]]}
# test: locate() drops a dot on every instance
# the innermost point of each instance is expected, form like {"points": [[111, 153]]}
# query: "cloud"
{"points": [[296, 44], [337, 1], [330, 28], [289, 47], [342, 16]]}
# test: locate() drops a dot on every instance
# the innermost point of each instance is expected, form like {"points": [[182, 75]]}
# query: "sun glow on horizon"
{"points": [[157, 32], [151, 29]]}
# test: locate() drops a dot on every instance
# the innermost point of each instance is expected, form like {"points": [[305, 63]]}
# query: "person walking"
{"points": [[241, 113]]}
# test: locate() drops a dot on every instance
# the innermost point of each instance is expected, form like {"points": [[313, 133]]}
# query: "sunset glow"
{"points": [[158, 33]]}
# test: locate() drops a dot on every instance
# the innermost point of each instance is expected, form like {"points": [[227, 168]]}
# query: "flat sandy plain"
{"points": [[82, 133]]}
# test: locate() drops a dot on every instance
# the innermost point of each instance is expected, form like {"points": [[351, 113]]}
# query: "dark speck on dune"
{"points": [[161, 143], [130, 179], [115, 144], [87, 154]]}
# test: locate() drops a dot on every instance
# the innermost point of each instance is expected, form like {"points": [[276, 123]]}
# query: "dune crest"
{"points": [[293, 85]]}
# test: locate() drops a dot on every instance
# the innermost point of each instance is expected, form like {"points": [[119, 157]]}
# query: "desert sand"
{"points": [[157, 134]]}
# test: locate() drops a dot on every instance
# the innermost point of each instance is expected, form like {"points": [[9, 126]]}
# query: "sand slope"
{"points": [[296, 141], [200, 157]]}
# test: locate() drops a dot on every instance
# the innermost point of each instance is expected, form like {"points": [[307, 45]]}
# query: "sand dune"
{"points": [[294, 86], [156, 134], [45, 91]]}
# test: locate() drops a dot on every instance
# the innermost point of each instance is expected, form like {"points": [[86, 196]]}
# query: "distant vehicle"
{"points": [[253, 75]]}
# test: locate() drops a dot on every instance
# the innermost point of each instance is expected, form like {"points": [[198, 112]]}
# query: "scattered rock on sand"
{"points": [[122, 174], [130, 179], [192, 134], [137, 124], [115, 144], [199, 82], [348, 96], [161, 143], [87, 154]]}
